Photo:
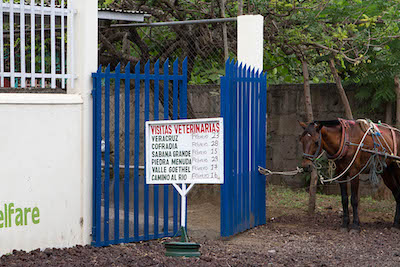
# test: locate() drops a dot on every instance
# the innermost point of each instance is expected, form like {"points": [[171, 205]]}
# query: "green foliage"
{"points": [[352, 31], [203, 75], [106, 3], [375, 77], [356, 33], [202, 44], [283, 68], [38, 53]]}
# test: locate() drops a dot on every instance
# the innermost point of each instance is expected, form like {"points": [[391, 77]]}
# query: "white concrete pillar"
{"points": [[250, 46], [85, 62], [250, 40]]}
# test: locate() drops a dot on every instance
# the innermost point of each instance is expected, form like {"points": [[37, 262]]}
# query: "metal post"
{"points": [[172, 23], [183, 206], [183, 192]]}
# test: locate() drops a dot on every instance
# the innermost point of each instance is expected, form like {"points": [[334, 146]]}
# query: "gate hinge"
{"points": [[93, 232]]}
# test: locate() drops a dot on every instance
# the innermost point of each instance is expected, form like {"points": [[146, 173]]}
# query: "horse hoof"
{"points": [[355, 231], [344, 229], [395, 229]]}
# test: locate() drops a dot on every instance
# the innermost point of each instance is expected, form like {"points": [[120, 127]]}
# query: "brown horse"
{"points": [[341, 140]]}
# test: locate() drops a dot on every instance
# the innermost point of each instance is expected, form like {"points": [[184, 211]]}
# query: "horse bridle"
{"points": [[317, 152]]}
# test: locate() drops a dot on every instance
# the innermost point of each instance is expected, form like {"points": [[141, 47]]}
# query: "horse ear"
{"points": [[302, 124], [318, 126]]}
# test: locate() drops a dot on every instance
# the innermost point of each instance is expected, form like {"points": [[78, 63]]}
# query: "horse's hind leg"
{"points": [[354, 203], [345, 204], [396, 223], [391, 178]]}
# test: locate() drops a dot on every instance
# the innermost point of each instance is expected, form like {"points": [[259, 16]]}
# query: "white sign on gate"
{"points": [[185, 151]]}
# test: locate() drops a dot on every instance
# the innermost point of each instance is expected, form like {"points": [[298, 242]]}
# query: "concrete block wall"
{"points": [[285, 106]]}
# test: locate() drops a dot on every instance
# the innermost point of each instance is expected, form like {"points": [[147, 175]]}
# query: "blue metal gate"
{"points": [[243, 107], [125, 209]]}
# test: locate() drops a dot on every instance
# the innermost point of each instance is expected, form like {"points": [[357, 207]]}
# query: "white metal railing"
{"points": [[48, 69]]}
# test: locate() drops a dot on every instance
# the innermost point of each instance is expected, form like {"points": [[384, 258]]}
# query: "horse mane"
{"points": [[328, 123], [310, 128]]}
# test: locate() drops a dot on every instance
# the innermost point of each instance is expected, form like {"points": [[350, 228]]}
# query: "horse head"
{"points": [[312, 143]]}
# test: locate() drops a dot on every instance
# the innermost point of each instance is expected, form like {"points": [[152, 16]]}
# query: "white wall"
{"points": [[46, 153], [41, 163]]}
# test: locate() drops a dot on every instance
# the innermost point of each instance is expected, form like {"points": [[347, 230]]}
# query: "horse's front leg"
{"points": [[354, 203], [345, 204]]}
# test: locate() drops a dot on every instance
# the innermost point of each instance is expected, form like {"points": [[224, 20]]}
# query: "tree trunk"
{"points": [[342, 93], [224, 31], [388, 113], [397, 90], [313, 192], [307, 92], [310, 118]]}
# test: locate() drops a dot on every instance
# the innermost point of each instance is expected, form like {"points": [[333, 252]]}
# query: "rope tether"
{"points": [[267, 172]]}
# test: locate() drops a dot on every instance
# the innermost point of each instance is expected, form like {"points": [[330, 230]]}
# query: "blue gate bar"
{"points": [[239, 156], [97, 156], [156, 118], [226, 209], [236, 118], [260, 200], [136, 157], [116, 151], [241, 148], [246, 142], [146, 118], [183, 104], [98, 161], [261, 193], [263, 156], [183, 92], [233, 92], [175, 90], [256, 128], [254, 148], [107, 156], [126, 159], [166, 115], [233, 102], [227, 165], [175, 117]]}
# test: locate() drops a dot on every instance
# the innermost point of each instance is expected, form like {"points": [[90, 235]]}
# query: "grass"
{"points": [[282, 200], [372, 205]]}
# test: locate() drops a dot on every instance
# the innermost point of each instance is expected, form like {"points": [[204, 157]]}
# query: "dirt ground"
{"points": [[290, 238]]}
